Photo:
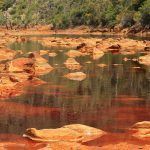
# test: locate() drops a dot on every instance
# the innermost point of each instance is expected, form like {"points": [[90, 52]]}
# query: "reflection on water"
{"points": [[111, 98]]}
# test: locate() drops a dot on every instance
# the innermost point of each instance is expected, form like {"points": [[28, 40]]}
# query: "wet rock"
{"points": [[3, 68], [52, 54], [69, 133], [10, 54], [88, 62], [78, 76], [9, 91], [141, 130], [74, 53], [97, 54], [145, 60], [5, 81], [72, 64], [88, 133], [20, 64], [43, 52], [143, 124], [20, 77], [128, 52], [42, 68], [53, 135], [102, 65], [36, 57], [12, 84], [35, 65]]}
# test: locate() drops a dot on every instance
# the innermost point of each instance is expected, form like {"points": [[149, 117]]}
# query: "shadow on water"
{"points": [[111, 98]]}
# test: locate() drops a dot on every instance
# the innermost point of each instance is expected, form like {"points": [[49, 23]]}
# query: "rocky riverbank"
{"points": [[133, 31]]}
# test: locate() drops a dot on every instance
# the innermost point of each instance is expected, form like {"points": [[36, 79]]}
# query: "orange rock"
{"points": [[97, 54], [10, 54], [69, 133], [52, 54], [141, 130], [78, 76], [20, 77], [53, 135], [88, 133], [43, 52], [102, 65], [145, 60], [10, 91], [74, 53], [72, 64], [36, 57], [19, 64], [42, 68]]}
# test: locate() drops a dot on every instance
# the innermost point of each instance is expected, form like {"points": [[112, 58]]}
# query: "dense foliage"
{"points": [[70, 13]]}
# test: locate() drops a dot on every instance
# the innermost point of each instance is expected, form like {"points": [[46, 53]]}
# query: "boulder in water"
{"points": [[77, 76], [141, 130], [72, 64], [69, 133]]}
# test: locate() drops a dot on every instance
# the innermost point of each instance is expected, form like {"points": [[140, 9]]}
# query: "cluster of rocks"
{"points": [[98, 47], [87, 45], [18, 71]]}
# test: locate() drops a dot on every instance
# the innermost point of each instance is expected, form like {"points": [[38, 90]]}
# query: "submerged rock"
{"points": [[78, 76], [69, 133], [72, 64], [141, 130]]}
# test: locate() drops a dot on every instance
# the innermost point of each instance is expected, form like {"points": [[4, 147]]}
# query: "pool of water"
{"points": [[112, 98]]}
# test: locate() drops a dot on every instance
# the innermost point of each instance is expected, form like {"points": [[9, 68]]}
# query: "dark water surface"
{"points": [[111, 98]]}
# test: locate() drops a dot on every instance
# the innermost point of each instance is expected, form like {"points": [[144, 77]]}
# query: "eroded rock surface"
{"points": [[69, 133]]}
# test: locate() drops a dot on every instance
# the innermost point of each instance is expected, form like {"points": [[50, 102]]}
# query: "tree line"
{"points": [[71, 13]]}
